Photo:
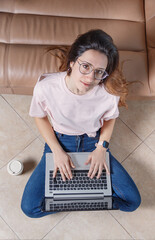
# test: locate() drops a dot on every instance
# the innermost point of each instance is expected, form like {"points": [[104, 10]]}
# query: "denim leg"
{"points": [[125, 193], [34, 192]]}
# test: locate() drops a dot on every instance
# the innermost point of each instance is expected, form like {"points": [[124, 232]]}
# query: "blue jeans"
{"points": [[124, 189]]}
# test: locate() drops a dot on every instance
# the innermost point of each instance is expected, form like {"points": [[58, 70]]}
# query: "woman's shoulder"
{"points": [[47, 77], [48, 80], [107, 92], [110, 98]]}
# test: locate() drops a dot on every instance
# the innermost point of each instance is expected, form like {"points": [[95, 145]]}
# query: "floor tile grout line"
{"points": [[121, 225], [149, 134], [149, 147], [132, 152], [19, 116], [146, 139], [19, 152], [143, 142], [132, 130], [10, 227], [56, 225]]}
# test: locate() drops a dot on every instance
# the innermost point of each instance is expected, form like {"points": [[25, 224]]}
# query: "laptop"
{"points": [[80, 193]]}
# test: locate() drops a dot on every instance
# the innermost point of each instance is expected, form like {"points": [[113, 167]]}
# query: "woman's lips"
{"points": [[86, 84]]}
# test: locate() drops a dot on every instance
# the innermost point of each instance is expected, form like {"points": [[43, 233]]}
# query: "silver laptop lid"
{"points": [[79, 159]]}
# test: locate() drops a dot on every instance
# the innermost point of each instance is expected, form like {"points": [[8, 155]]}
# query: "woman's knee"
{"points": [[135, 203], [131, 205], [27, 210], [33, 212]]}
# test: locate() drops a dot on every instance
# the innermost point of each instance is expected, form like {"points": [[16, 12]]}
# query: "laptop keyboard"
{"points": [[79, 206], [80, 181]]}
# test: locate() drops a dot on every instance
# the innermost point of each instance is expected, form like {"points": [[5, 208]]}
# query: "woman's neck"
{"points": [[71, 87]]}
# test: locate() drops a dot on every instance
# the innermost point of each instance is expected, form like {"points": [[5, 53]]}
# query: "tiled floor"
{"points": [[132, 143]]}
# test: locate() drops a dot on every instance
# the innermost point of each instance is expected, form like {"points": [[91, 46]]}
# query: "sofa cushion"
{"points": [[29, 27], [150, 33]]}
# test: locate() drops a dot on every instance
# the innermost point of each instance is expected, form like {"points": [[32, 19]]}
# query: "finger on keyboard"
{"points": [[63, 176], [54, 173]]}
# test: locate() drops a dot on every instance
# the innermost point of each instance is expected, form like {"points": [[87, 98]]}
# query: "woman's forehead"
{"points": [[96, 58]]}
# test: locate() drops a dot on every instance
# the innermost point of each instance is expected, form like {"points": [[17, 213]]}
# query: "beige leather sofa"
{"points": [[27, 27]]}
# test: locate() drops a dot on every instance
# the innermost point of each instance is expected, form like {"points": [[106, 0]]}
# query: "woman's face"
{"points": [[82, 83]]}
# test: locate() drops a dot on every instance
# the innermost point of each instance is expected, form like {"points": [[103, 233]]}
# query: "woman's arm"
{"points": [[62, 160], [106, 130], [97, 158], [46, 130]]}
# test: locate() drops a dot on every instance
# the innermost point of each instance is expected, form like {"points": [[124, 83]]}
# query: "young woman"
{"points": [[82, 104]]}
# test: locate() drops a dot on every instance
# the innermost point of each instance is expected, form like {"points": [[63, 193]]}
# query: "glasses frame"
{"points": [[92, 69]]}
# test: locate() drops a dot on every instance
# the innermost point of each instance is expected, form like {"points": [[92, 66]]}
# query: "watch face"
{"points": [[105, 144]]}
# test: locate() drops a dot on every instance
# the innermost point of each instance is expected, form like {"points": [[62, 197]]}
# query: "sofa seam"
{"points": [[7, 48], [146, 43]]}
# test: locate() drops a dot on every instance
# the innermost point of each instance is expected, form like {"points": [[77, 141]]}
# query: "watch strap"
{"points": [[105, 144]]}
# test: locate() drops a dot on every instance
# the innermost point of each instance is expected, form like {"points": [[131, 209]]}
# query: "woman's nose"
{"points": [[90, 76]]}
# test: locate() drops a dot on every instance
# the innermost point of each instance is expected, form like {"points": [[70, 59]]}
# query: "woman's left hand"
{"points": [[97, 158]]}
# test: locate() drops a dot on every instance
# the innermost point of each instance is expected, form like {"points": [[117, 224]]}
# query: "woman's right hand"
{"points": [[63, 162]]}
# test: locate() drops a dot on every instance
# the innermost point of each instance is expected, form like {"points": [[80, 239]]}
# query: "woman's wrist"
{"points": [[101, 148], [56, 148], [104, 144]]}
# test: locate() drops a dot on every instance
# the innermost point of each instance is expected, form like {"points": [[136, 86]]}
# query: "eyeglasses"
{"points": [[86, 68]]}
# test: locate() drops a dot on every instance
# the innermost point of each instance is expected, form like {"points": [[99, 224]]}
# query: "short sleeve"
{"points": [[113, 111], [37, 108]]}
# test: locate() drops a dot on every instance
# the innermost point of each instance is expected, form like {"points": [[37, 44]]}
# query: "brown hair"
{"points": [[100, 41]]}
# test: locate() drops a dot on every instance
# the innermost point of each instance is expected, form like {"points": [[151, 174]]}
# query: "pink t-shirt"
{"points": [[72, 114]]}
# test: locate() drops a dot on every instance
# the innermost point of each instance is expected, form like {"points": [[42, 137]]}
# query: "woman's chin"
{"points": [[81, 90]]}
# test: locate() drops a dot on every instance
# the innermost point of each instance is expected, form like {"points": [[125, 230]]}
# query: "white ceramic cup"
{"points": [[15, 167]]}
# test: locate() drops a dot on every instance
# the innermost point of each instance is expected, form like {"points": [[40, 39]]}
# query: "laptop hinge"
{"points": [[78, 196]]}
